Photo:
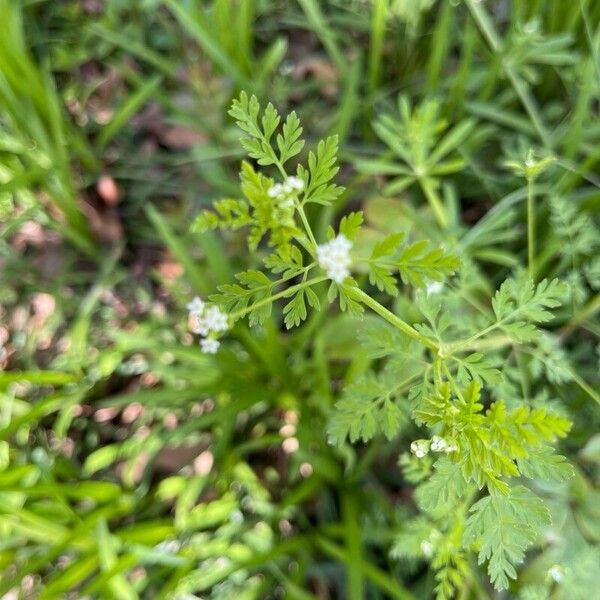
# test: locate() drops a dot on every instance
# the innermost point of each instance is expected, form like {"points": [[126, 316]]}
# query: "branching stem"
{"points": [[290, 291]]}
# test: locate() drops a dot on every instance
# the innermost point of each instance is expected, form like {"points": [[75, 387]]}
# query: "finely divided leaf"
{"points": [[418, 263], [504, 526], [518, 306], [544, 463], [288, 141], [322, 169], [443, 489]]}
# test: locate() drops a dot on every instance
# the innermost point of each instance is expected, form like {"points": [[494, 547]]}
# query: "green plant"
{"points": [[306, 452], [486, 433]]}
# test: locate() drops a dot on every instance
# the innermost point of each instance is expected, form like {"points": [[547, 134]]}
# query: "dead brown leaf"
{"points": [[320, 69]]}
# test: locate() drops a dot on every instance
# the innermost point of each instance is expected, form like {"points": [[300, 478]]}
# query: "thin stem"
{"points": [[299, 208], [456, 346], [452, 381], [582, 315], [434, 201], [307, 226], [489, 32], [390, 317], [492, 343], [589, 390], [530, 229], [283, 294]]}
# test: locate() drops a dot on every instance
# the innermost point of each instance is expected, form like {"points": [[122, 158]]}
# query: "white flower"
{"points": [[213, 319], [275, 190], [420, 448], [556, 573], [196, 306], [334, 258], [450, 447], [295, 183], [199, 325], [435, 287], [209, 345], [438, 444], [426, 548], [286, 192]]}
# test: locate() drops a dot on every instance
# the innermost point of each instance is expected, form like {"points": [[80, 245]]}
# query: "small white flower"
{"points": [[196, 306], [334, 258], [435, 287], [340, 244], [295, 183], [338, 272], [286, 192], [209, 345], [556, 573], [426, 548], [420, 448], [438, 444], [275, 190], [199, 325], [215, 319]]}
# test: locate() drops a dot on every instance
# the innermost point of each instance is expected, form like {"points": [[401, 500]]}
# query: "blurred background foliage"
{"points": [[132, 465]]}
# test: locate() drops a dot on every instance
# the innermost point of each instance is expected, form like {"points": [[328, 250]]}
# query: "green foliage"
{"points": [[489, 444], [134, 465], [253, 287], [246, 112], [416, 263], [519, 306], [503, 526], [371, 404], [259, 211]]}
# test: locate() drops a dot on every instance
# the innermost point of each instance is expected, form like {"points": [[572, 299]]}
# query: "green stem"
{"points": [[492, 343], [530, 230], [390, 317], [283, 294], [378, 19], [307, 226], [434, 201], [487, 28], [462, 345], [589, 390], [391, 586], [582, 315], [354, 576], [299, 206]]}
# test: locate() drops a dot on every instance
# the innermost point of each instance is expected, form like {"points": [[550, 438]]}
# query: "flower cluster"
{"points": [[285, 192], [420, 448], [334, 258], [207, 321]]}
